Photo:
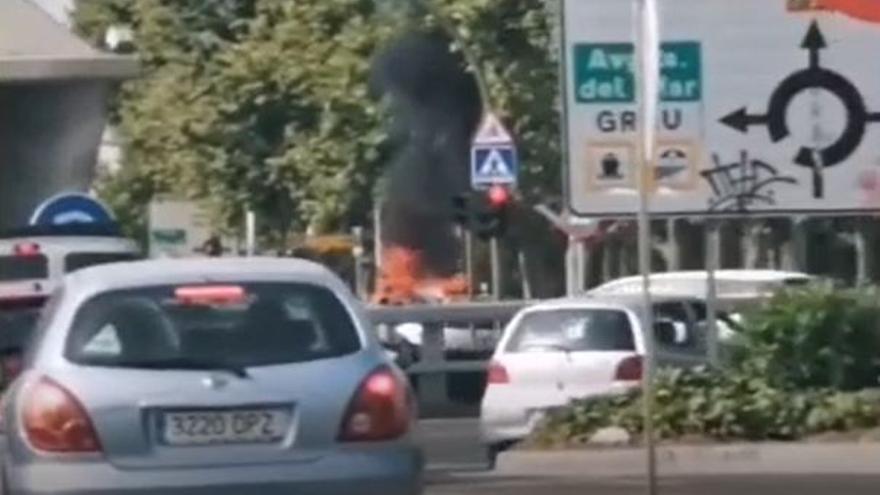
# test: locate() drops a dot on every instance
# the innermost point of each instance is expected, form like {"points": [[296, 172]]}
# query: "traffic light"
{"points": [[493, 214], [484, 212], [461, 210]]}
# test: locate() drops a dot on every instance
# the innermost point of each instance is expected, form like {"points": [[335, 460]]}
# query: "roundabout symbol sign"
{"points": [[813, 77]]}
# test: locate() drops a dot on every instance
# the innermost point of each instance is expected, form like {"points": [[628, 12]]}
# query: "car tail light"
{"points": [[27, 249], [207, 295], [630, 369], [380, 410], [55, 421], [498, 374]]}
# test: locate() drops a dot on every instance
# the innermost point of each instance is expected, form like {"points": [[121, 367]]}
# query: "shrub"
{"points": [[813, 339], [721, 406]]}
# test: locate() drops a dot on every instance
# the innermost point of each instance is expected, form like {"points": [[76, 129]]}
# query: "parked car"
{"points": [[221, 376], [480, 339], [33, 261], [734, 288], [558, 351]]}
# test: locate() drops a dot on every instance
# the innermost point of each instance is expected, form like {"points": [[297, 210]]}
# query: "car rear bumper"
{"points": [[397, 472], [510, 416]]}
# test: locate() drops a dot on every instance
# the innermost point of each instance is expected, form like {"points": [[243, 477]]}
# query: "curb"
{"points": [[798, 458]]}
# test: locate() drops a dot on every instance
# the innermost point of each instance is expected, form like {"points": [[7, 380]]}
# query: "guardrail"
{"points": [[446, 313], [433, 367]]}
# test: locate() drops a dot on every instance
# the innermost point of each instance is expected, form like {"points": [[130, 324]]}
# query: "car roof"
{"points": [[633, 302], [73, 243], [735, 275], [127, 275]]}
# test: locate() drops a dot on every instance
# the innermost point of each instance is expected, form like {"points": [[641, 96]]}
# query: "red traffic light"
{"points": [[498, 196]]}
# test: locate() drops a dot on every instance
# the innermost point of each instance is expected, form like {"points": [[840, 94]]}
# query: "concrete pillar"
{"points": [[580, 258], [433, 391], [751, 243], [798, 245], [49, 138], [571, 261], [865, 245]]}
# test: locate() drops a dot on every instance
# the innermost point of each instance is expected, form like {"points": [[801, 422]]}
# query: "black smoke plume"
{"points": [[436, 109]]}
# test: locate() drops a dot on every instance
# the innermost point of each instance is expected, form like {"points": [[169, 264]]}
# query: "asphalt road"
{"points": [[452, 445], [477, 484], [457, 466]]}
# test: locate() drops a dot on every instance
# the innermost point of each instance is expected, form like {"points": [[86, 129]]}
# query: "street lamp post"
{"points": [[648, 73]]}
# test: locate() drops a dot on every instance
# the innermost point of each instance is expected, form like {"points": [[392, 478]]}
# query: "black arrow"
{"points": [[741, 120], [814, 41]]}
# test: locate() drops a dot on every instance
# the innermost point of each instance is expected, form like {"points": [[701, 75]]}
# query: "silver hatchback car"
{"points": [[254, 376]]}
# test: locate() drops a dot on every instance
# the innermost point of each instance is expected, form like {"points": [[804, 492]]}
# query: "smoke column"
{"points": [[436, 108]]}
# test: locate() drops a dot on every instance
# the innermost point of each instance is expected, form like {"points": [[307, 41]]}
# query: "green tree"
{"points": [[248, 103]]}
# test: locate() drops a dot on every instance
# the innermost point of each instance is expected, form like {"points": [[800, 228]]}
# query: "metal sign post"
{"points": [[647, 74], [494, 162], [713, 244], [495, 259]]}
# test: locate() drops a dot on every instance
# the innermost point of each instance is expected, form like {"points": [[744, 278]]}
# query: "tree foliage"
{"points": [[250, 104], [264, 104]]}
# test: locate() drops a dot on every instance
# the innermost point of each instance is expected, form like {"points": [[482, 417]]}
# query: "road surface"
{"points": [[481, 484], [457, 466], [452, 445]]}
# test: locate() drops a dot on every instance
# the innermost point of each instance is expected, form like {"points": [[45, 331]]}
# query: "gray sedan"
{"points": [[207, 377]]}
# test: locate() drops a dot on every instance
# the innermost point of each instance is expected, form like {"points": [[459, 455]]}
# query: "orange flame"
{"points": [[403, 280]]}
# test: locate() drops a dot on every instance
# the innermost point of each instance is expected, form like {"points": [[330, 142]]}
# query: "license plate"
{"points": [[225, 427]]}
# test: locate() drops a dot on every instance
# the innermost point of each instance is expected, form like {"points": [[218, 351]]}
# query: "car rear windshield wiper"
{"points": [[182, 363]]}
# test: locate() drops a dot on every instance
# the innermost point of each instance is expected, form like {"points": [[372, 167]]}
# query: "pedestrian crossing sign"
{"points": [[493, 156]]}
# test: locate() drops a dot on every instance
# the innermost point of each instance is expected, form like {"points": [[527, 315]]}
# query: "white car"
{"points": [[733, 287], [559, 351]]}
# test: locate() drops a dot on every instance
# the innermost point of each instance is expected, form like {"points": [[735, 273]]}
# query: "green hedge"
{"points": [[814, 338], [720, 406]]}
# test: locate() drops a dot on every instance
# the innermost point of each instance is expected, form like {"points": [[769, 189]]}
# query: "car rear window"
{"points": [[78, 261], [252, 325], [18, 319], [573, 330], [13, 268]]}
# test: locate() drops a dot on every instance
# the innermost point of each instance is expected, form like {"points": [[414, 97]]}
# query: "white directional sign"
{"points": [[493, 156], [765, 109]]}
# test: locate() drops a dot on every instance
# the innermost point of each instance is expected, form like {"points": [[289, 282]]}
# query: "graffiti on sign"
{"points": [[740, 185]]}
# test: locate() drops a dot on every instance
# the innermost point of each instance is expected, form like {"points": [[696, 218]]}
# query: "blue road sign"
{"points": [[493, 156], [493, 164], [71, 208]]}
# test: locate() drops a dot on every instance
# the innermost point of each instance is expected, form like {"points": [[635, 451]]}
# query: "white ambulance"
{"points": [[32, 262]]}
